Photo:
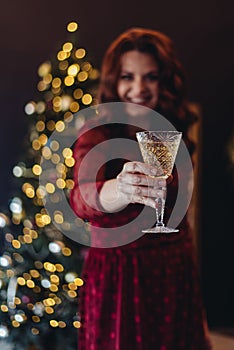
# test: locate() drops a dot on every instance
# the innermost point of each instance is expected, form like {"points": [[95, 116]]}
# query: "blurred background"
{"points": [[203, 33]]}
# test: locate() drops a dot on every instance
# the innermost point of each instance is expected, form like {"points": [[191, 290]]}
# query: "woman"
{"points": [[139, 293]]}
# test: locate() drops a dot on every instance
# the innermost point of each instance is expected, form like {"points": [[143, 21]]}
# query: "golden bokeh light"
{"points": [[80, 53], [72, 26], [74, 107], [82, 76], [78, 93], [56, 83], [54, 323], [73, 69], [37, 170], [67, 47], [87, 99], [69, 80], [44, 69]]}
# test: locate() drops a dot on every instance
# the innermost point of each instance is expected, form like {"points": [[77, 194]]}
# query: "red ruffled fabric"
{"points": [[144, 295]]}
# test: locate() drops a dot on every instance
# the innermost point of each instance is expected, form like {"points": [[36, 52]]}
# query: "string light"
{"points": [[61, 93]]}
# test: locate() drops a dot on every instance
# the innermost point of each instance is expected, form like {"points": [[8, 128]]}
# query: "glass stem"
{"points": [[160, 211]]}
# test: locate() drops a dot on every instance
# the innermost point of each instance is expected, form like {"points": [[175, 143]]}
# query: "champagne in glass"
{"points": [[159, 148]]}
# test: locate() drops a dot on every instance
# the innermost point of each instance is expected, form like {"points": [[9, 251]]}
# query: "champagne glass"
{"points": [[159, 148]]}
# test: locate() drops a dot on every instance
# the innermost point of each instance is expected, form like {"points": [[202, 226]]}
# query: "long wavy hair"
{"points": [[172, 102]]}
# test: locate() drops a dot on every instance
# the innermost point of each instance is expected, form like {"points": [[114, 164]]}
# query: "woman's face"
{"points": [[138, 80]]}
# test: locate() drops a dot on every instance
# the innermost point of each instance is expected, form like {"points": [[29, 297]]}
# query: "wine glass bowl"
{"points": [[159, 149]]}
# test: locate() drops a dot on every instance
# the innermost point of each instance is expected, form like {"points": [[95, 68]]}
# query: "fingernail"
{"points": [[161, 183]]}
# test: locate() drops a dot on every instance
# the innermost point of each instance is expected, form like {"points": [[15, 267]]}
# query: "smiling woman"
{"points": [[144, 294]]}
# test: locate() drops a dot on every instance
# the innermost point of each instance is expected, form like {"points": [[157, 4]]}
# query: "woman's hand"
{"points": [[137, 183]]}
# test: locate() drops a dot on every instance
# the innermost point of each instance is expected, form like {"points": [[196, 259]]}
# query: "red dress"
{"points": [[143, 295]]}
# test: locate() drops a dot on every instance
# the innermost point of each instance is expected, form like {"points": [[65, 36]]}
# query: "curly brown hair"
{"points": [[172, 103]]}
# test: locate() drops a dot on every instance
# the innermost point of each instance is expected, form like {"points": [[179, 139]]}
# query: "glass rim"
{"points": [[159, 131]]}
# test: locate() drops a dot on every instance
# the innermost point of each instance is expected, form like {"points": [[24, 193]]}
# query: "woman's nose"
{"points": [[139, 86]]}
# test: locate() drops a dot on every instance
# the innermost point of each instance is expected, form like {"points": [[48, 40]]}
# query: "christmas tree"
{"points": [[40, 266]]}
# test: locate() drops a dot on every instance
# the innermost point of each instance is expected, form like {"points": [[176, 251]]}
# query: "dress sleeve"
{"points": [[91, 170]]}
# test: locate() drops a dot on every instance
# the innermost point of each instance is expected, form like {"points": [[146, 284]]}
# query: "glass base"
{"points": [[160, 229]]}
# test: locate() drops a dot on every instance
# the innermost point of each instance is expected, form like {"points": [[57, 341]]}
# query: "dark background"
{"points": [[32, 31]]}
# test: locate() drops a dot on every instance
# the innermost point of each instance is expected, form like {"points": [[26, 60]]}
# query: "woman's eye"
{"points": [[125, 77], [152, 77]]}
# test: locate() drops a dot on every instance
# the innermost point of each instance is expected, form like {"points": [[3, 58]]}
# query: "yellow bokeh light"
{"points": [[74, 107], [55, 158], [50, 125], [73, 69], [70, 184], [77, 324], [47, 78], [36, 169], [54, 145], [58, 218], [36, 145], [15, 324], [86, 66], [44, 69], [60, 183], [70, 162], [40, 192], [46, 152], [61, 56], [94, 74], [69, 80], [54, 279], [17, 301], [36, 319], [80, 53], [57, 101], [4, 308], [30, 284], [46, 219], [56, 83], [41, 86], [16, 244], [49, 267], [53, 323], [53, 288], [68, 117], [34, 273], [27, 239], [72, 294], [72, 286], [87, 99], [49, 310], [63, 65], [21, 281], [79, 282], [40, 107], [35, 331], [59, 267], [62, 324], [67, 47], [78, 93], [60, 126], [38, 265], [82, 76], [49, 302], [40, 126], [66, 251], [50, 188], [30, 193], [43, 139], [72, 27], [27, 276], [67, 152]]}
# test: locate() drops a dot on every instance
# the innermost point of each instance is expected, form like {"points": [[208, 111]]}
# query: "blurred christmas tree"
{"points": [[40, 267]]}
